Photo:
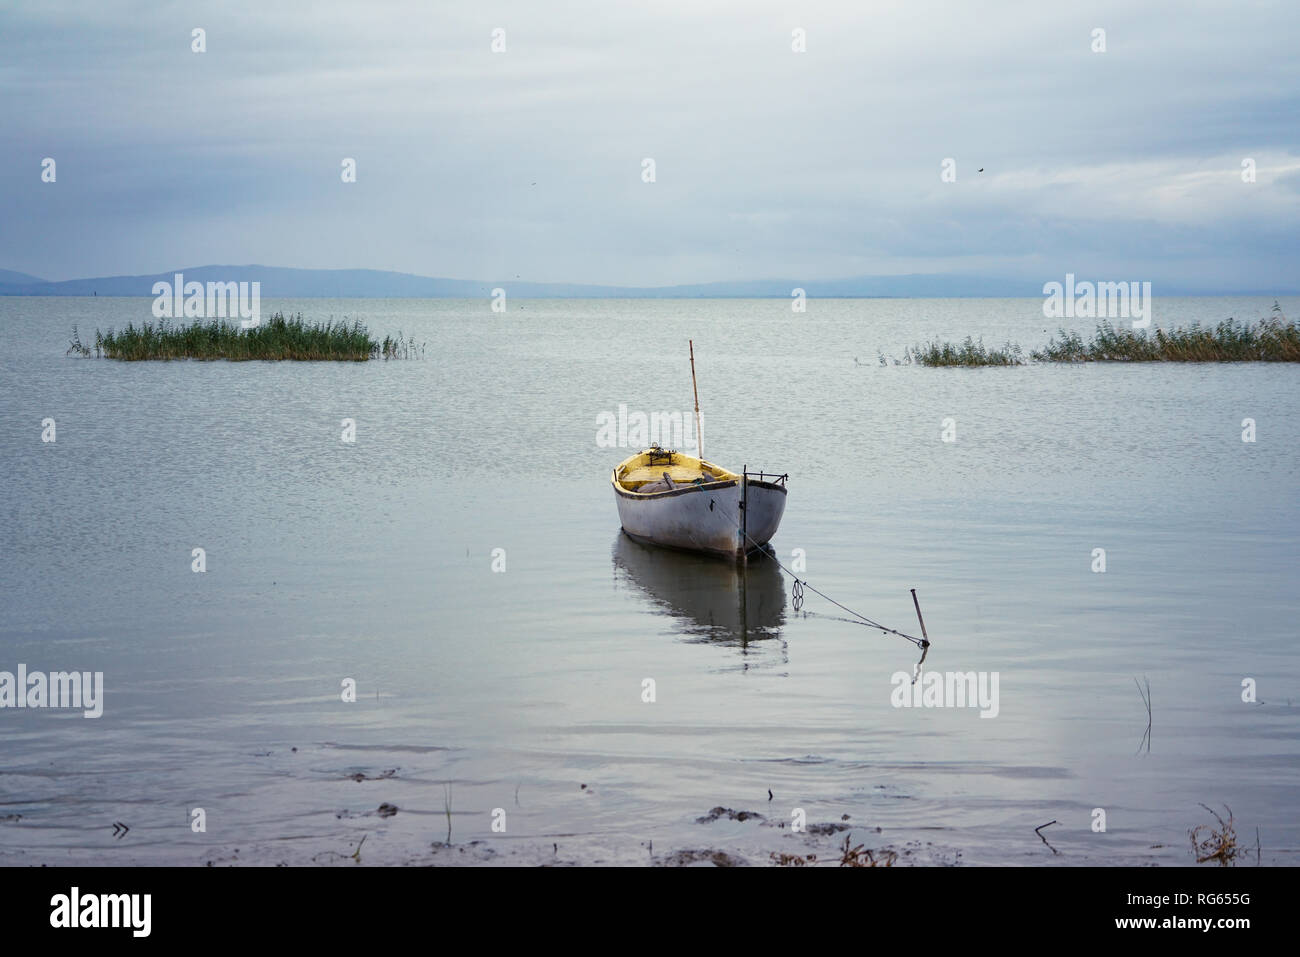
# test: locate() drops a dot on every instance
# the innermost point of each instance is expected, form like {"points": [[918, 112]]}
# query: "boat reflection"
{"points": [[712, 599]]}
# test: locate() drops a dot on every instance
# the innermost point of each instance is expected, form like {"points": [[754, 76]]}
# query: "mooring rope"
{"points": [[796, 596], [801, 585]]}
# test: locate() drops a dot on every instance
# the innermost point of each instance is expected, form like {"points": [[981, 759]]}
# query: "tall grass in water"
{"points": [[1275, 339], [278, 337], [1271, 340], [969, 353]]}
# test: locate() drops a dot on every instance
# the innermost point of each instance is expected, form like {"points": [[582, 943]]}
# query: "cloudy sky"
{"points": [[769, 163]]}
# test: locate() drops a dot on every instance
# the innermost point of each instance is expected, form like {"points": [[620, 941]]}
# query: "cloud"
{"points": [[769, 162]]}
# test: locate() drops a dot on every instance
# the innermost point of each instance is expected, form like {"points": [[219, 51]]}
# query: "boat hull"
{"points": [[705, 518]]}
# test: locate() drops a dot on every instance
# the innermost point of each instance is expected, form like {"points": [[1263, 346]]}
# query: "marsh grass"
{"points": [[1210, 843], [278, 338], [1274, 339], [861, 856], [969, 353], [850, 856], [1271, 340], [77, 347], [401, 348]]}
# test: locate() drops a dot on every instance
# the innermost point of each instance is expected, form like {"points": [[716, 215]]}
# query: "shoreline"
{"points": [[726, 838]]}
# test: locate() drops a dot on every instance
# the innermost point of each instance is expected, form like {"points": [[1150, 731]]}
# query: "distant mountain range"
{"points": [[280, 283], [378, 284], [10, 278]]}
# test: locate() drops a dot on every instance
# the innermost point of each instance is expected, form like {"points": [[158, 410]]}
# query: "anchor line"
{"points": [[797, 598]]}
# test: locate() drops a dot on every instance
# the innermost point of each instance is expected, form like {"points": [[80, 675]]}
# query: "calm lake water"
{"points": [[520, 691]]}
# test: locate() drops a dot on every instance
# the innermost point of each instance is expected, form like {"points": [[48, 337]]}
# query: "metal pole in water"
{"points": [[919, 618]]}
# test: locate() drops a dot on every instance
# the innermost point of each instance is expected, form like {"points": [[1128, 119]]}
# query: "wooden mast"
{"points": [[699, 437]]}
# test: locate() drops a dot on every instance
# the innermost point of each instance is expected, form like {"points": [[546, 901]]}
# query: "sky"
{"points": [[768, 163]]}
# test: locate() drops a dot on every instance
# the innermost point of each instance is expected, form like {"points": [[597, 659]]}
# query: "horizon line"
{"points": [[994, 286]]}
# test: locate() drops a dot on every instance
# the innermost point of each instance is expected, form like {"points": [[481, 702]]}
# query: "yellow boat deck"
{"points": [[645, 472]]}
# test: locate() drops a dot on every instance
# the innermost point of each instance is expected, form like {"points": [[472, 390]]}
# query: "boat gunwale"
{"points": [[724, 483]]}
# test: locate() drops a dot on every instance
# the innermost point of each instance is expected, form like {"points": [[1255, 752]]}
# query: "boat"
{"points": [[681, 501]]}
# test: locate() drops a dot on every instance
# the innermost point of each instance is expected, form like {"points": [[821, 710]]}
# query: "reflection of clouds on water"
{"points": [[711, 599]]}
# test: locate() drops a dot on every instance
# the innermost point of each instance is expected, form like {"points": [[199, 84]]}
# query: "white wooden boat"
{"points": [[681, 501]]}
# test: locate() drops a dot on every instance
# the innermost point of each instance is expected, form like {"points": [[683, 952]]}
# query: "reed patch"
{"points": [[1215, 843], [1274, 339], [1270, 340], [279, 338], [968, 353]]}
